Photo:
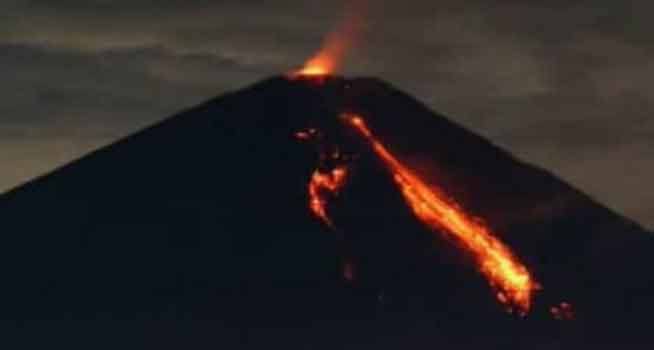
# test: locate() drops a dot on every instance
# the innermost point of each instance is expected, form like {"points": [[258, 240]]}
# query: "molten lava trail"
{"points": [[505, 273], [326, 181], [322, 186]]}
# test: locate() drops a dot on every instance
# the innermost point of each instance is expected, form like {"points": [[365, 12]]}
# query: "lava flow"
{"points": [[326, 182], [511, 279], [513, 282], [323, 185]]}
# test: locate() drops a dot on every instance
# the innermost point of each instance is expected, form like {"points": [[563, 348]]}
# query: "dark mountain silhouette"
{"points": [[195, 233]]}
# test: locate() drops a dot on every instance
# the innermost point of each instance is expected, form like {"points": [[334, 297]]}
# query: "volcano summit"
{"points": [[317, 212]]}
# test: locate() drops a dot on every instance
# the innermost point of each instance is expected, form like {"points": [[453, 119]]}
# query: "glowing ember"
{"points": [[324, 185], [513, 282]]}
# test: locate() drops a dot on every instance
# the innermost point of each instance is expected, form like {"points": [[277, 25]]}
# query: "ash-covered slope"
{"points": [[197, 231]]}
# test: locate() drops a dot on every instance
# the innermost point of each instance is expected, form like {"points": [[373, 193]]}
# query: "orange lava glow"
{"points": [[318, 66], [324, 185], [505, 273], [336, 44]]}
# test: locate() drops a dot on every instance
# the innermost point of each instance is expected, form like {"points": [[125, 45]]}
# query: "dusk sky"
{"points": [[565, 85]]}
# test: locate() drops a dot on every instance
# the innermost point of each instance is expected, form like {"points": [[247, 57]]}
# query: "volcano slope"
{"points": [[197, 233]]}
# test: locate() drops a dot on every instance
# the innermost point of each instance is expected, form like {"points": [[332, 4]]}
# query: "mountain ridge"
{"points": [[376, 83]]}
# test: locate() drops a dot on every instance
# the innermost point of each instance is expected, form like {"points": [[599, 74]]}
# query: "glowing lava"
{"points": [[318, 66], [329, 177], [505, 273], [331, 54], [324, 185]]}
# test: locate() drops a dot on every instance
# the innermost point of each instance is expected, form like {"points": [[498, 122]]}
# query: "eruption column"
{"points": [[505, 273], [337, 43]]}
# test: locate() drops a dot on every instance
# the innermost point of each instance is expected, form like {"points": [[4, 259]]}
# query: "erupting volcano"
{"points": [[244, 209], [313, 211], [515, 286], [315, 199]]}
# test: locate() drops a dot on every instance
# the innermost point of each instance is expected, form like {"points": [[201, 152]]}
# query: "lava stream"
{"points": [[505, 273], [329, 177], [322, 186]]}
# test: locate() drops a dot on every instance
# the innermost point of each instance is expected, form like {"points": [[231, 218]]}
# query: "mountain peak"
{"points": [[207, 213]]}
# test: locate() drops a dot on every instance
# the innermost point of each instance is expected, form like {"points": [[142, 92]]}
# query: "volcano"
{"points": [[259, 219]]}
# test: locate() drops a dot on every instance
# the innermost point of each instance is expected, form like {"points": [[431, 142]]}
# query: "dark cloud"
{"points": [[563, 84], [52, 84]]}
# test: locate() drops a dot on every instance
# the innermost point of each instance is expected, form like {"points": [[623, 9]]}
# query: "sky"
{"points": [[563, 84]]}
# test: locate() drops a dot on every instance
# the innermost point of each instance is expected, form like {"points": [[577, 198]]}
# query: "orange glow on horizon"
{"points": [[505, 273]]}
